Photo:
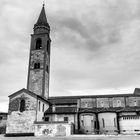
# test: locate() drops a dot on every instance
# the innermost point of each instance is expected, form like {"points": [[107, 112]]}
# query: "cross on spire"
{"points": [[43, 3]]}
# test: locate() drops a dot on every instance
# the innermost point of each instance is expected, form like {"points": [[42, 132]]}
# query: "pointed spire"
{"points": [[42, 20]]}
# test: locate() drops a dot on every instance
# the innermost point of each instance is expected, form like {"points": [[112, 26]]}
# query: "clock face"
{"points": [[37, 55]]}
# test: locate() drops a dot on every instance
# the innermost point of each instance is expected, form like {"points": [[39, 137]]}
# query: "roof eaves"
{"points": [[94, 96], [23, 90], [44, 99]]}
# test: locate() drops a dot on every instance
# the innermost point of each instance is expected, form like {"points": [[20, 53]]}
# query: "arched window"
{"points": [[43, 108], [118, 103], [39, 106], [86, 104], [102, 104], [103, 123], [22, 105], [38, 43], [114, 122], [36, 65]]}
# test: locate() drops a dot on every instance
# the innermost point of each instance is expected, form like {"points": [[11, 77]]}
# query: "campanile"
{"points": [[39, 59]]}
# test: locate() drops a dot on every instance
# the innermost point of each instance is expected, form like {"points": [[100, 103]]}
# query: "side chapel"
{"points": [[33, 112]]}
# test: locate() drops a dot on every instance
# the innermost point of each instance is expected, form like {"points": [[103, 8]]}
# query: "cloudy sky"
{"points": [[95, 46]]}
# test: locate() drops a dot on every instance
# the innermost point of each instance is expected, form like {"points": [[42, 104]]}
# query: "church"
{"points": [[32, 112]]}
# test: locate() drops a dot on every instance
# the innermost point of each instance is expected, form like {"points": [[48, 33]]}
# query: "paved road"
{"points": [[81, 137]]}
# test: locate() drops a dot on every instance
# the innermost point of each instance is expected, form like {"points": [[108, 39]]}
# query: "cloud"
{"points": [[95, 45], [101, 53]]}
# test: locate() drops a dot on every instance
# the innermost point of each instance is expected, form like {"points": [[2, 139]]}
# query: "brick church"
{"points": [[33, 112]]}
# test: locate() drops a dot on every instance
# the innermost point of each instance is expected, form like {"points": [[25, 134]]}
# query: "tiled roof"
{"points": [[61, 110], [65, 109], [60, 101], [94, 96], [48, 111]]}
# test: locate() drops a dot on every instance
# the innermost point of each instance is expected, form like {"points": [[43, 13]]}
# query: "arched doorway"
{"points": [[88, 123]]}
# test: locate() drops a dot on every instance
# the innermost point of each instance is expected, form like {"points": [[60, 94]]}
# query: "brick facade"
{"points": [[21, 122]]}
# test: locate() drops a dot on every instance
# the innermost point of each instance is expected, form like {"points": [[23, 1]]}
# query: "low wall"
{"points": [[53, 129], [20, 122]]}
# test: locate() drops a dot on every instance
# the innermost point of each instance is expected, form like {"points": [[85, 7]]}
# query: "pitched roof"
{"points": [[22, 90], [28, 92], [92, 96], [60, 101], [48, 111], [73, 110], [42, 20], [66, 109], [61, 110]]}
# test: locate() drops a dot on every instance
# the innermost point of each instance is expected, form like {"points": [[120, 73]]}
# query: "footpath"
{"points": [[77, 137]]}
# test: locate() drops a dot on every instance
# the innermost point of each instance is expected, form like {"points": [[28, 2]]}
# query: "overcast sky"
{"points": [[95, 46]]}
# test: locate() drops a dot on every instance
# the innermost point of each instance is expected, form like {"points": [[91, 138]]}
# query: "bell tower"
{"points": [[39, 60]]}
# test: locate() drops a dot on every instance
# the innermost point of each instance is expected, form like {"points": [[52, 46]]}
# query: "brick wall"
{"points": [[88, 103], [102, 102], [21, 122], [108, 102], [133, 101], [35, 81]]}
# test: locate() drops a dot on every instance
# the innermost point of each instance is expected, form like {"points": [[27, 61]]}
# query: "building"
{"points": [[33, 112], [3, 119]]}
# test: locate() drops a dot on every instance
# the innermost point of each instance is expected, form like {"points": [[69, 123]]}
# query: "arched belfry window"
{"points": [[22, 105], [38, 43], [36, 65]]}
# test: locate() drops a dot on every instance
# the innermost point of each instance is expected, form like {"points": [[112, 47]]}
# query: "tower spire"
{"points": [[42, 20]]}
